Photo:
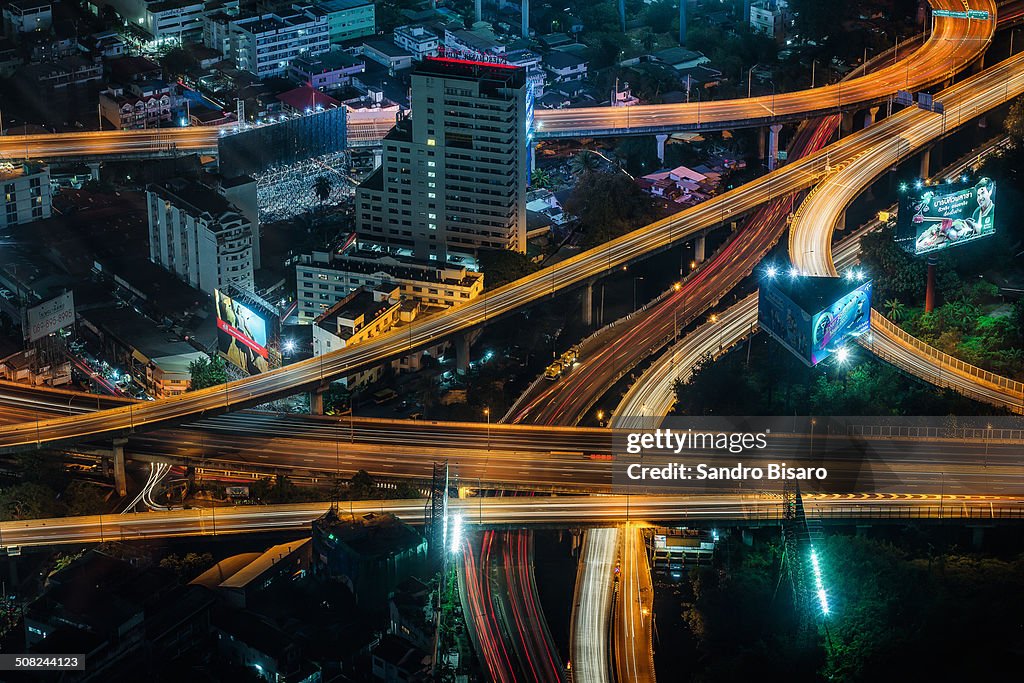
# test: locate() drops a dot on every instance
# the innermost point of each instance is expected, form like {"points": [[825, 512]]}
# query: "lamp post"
{"points": [[487, 414], [635, 279]]}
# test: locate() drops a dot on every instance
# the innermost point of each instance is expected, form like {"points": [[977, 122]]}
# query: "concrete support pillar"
{"points": [[316, 402], [698, 248], [870, 116], [977, 537], [622, 15], [662, 139], [588, 303], [841, 221], [526, 18], [747, 537], [94, 170], [462, 353], [926, 162], [773, 145], [682, 23], [762, 143], [846, 124], [479, 7], [120, 478]]}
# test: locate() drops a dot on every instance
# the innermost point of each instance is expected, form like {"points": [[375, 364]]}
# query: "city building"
{"points": [[471, 44], [196, 233], [565, 66], [324, 278], [534, 65], [396, 659], [266, 44], [26, 192], [387, 54], [767, 18], [242, 577], [328, 71], [348, 19], [163, 20], [418, 40], [453, 178], [305, 99], [359, 317], [108, 609], [26, 16], [252, 641], [63, 73], [371, 554], [139, 105]]}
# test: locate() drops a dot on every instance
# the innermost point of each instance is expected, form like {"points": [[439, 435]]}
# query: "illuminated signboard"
{"points": [[935, 219], [241, 335], [814, 316]]}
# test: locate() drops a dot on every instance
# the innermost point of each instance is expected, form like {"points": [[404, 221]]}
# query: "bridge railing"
{"points": [[878, 321], [954, 509], [951, 432]]}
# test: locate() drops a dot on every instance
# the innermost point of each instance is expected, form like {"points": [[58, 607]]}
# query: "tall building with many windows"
{"points": [[196, 233], [26, 192], [452, 178]]}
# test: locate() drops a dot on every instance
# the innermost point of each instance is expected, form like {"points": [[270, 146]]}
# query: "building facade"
{"points": [[197, 234], [452, 179], [348, 19], [26, 192], [265, 45], [26, 16], [420, 41], [323, 279]]}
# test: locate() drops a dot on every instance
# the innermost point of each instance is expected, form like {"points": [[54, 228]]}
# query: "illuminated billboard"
{"points": [[50, 316], [935, 218], [814, 316], [255, 149], [849, 316], [241, 335]]}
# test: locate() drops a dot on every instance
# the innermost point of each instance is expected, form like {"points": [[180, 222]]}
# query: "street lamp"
{"points": [[600, 418], [487, 414], [638, 277]]}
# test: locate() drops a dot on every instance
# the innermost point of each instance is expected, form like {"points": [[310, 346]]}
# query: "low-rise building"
{"points": [[565, 66], [767, 18], [328, 71], [139, 105], [324, 278], [306, 99], [419, 40], [387, 54], [26, 192], [266, 44], [63, 73], [362, 315], [27, 16], [473, 44]]}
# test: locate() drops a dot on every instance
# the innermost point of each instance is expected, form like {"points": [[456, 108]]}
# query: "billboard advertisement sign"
{"points": [[814, 316], [850, 316], [935, 220], [783, 319], [50, 316], [241, 334]]}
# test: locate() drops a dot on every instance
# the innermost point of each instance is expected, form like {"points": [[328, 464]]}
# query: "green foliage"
{"points": [[208, 371], [894, 308], [189, 566], [1014, 122], [817, 20], [583, 163], [540, 178], [501, 266], [777, 383], [84, 498], [29, 501], [609, 205]]}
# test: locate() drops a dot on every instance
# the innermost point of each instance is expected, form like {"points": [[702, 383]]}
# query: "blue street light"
{"points": [[770, 272], [794, 273], [455, 541], [819, 585]]}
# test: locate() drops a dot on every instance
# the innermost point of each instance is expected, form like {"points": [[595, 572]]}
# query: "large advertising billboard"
{"points": [[813, 317], [50, 316], [783, 319], [255, 149], [936, 219], [848, 317], [241, 334]]}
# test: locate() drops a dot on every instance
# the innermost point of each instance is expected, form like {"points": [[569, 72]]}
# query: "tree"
{"points": [[207, 372], [541, 178], [583, 163], [1014, 123], [322, 190], [609, 205], [29, 501], [501, 266], [895, 309], [817, 20], [84, 498]]}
